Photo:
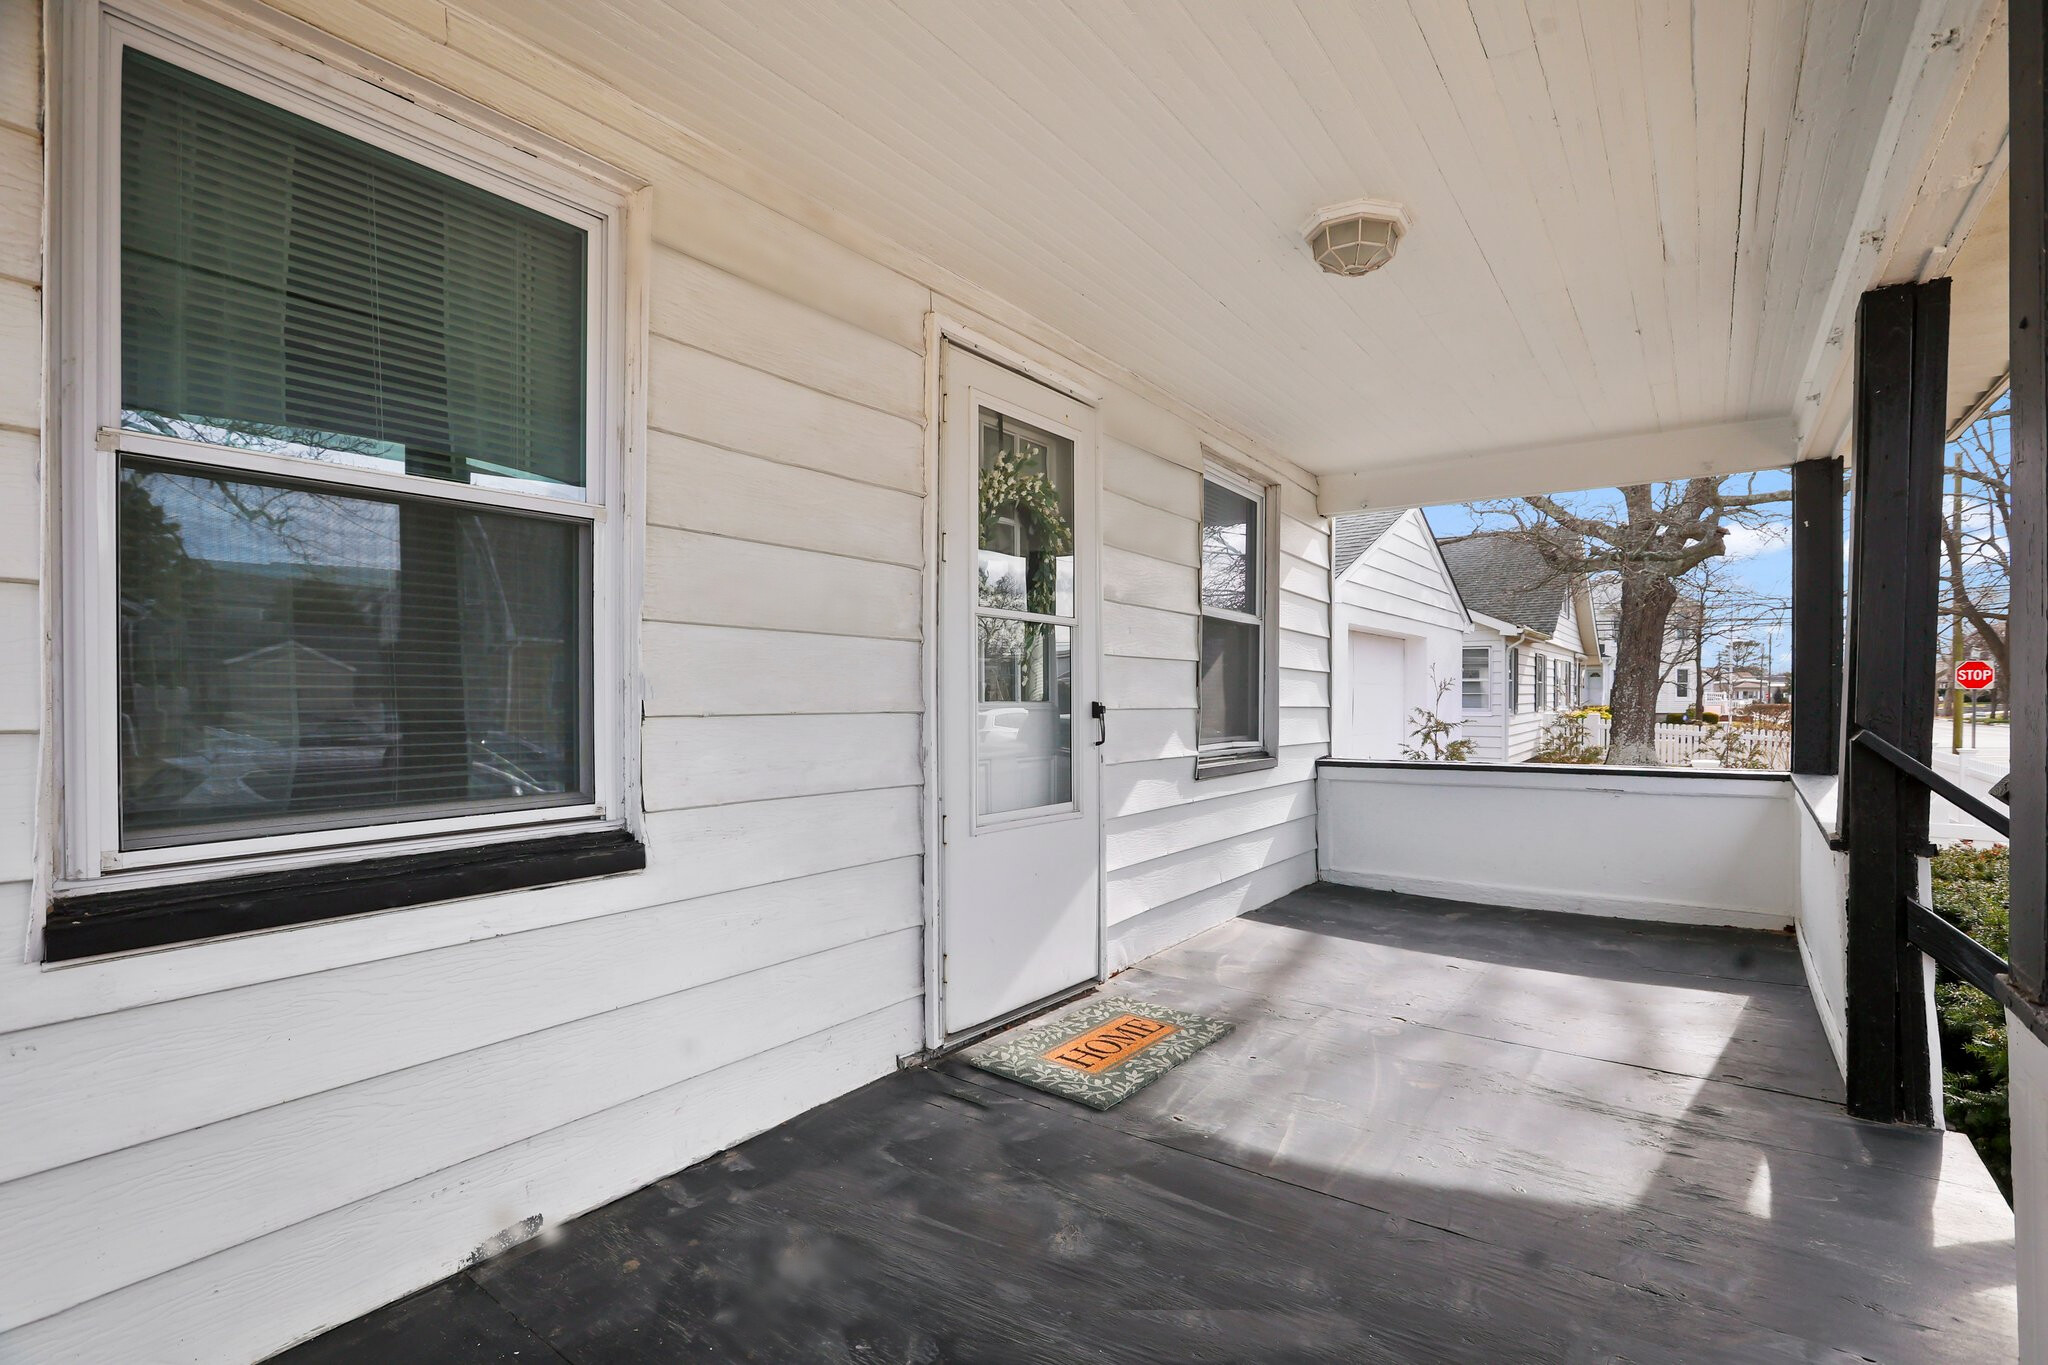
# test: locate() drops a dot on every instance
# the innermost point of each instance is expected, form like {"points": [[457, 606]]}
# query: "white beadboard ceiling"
{"points": [[1629, 215]]}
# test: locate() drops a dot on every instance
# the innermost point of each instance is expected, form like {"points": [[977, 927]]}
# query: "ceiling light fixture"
{"points": [[1356, 237]]}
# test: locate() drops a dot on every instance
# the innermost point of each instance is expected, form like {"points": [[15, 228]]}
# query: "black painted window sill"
{"points": [[1225, 765], [95, 923]]}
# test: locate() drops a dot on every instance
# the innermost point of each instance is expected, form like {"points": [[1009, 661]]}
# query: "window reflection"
{"points": [[1025, 719], [1026, 560], [293, 659]]}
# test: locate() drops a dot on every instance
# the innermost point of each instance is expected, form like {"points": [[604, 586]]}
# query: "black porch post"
{"points": [[1901, 413], [1816, 616], [2027, 632]]}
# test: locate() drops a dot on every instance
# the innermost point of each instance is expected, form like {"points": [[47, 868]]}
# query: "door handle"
{"points": [[1101, 714]]}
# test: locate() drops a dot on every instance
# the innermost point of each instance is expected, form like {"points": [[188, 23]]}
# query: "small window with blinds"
{"points": [[353, 463]]}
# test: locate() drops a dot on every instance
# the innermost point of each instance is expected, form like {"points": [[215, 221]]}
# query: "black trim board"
{"points": [[92, 924]]}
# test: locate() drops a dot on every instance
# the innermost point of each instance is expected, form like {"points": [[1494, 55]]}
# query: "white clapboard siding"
{"points": [[87, 1229], [1147, 684], [713, 760], [21, 325], [1135, 736], [79, 1089], [21, 507], [1303, 687], [1134, 890], [730, 671], [1159, 928], [712, 581], [697, 487], [1146, 478], [1299, 578], [1305, 537], [1175, 829], [1310, 653], [1304, 615], [1133, 525], [708, 849], [705, 307], [1135, 788], [21, 203], [1304, 725], [696, 394], [19, 755], [21, 670], [1148, 633], [256, 1298], [1141, 581]]}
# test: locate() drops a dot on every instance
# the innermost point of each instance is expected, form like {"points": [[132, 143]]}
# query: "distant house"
{"points": [[1398, 625], [1679, 670], [1529, 648]]}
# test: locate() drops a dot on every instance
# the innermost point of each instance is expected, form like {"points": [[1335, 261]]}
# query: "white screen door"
{"points": [[1020, 911]]}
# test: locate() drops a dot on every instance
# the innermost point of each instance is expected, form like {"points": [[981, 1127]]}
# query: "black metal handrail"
{"points": [[1950, 947], [1948, 791]]}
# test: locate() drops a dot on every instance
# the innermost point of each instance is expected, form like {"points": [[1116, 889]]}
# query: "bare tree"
{"points": [[1973, 535], [1650, 539]]}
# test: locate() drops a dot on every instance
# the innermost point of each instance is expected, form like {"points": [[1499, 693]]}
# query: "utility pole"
{"points": [[1955, 615]]}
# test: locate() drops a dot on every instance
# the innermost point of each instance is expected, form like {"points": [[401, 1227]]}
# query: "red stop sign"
{"points": [[1974, 675]]}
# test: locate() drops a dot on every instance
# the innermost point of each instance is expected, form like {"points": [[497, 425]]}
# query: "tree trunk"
{"points": [[1646, 601]]}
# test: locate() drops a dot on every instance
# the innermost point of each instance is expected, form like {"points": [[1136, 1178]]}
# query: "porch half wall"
{"points": [[1686, 848], [210, 1152]]}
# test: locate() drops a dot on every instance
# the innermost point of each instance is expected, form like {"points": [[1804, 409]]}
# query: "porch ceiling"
{"points": [[1628, 217]]}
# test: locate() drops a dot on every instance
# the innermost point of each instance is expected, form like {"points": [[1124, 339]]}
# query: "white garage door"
{"points": [[1379, 695]]}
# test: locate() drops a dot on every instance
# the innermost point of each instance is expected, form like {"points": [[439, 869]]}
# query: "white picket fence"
{"points": [[1676, 744]]}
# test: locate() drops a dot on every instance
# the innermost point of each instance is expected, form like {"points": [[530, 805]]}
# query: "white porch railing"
{"points": [[1677, 744]]}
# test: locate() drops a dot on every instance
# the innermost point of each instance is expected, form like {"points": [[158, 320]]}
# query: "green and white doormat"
{"points": [[1100, 1052]]}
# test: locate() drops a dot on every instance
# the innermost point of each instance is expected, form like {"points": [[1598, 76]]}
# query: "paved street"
{"points": [[1986, 757]]}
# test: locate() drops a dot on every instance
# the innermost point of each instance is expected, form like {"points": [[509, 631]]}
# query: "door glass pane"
{"points": [[1230, 550], [1229, 690], [1026, 510], [293, 660], [1024, 722], [287, 288]]}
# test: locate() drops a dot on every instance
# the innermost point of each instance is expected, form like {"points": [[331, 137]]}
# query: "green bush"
{"points": [[1971, 888], [1564, 740], [1710, 717]]}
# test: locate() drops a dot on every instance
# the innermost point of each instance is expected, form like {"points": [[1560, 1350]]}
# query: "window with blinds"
{"points": [[411, 638]]}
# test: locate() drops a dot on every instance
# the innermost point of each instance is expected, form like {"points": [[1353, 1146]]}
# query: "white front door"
{"points": [[1020, 901], [1379, 694]]}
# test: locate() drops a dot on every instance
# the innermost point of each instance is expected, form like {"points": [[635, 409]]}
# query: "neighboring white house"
{"points": [[1397, 629], [1530, 645], [1681, 674]]}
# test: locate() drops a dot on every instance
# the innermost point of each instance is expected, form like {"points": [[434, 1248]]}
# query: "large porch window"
{"points": [[342, 531]]}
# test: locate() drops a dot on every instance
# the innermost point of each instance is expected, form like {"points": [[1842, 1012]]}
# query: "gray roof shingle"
{"points": [[1355, 533], [1504, 576]]}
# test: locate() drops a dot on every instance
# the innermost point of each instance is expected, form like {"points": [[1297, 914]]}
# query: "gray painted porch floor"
{"points": [[1439, 1133]]}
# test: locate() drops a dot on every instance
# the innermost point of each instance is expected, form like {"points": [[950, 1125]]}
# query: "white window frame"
{"points": [[89, 440], [1264, 497], [1465, 653], [1514, 672]]}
